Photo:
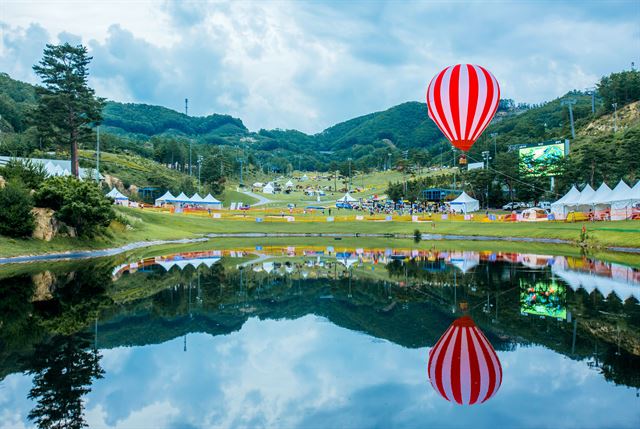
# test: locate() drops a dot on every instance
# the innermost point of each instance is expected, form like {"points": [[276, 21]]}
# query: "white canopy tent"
{"points": [[268, 188], [182, 198], [289, 184], [559, 208], [584, 203], [196, 199], [118, 197], [465, 204], [621, 200], [209, 200], [166, 198], [347, 198], [600, 196]]}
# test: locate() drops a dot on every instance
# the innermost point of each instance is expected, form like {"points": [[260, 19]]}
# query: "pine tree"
{"points": [[66, 104]]}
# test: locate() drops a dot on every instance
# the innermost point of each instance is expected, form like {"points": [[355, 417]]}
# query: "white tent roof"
{"points": [[591, 282], [347, 198], [289, 184], [599, 196], [258, 185], [196, 198], [569, 198], [269, 185], [464, 198], [166, 197], [586, 195], [117, 195], [621, 192], [635, 191], [182, 198], [209, 199]]}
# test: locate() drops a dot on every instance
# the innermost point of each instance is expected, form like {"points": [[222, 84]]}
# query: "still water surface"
{"points": [[320, 337]]}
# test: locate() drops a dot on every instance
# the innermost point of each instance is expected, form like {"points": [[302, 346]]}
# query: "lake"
{"points": [[321, 335]]}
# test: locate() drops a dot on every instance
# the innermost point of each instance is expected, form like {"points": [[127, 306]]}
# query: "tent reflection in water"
{"points": [[463, 366]]}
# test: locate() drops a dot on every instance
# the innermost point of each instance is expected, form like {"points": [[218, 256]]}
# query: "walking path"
{"points": [[261, 200]]}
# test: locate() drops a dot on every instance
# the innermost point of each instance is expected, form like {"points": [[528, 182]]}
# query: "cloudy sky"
{"points": [[310, 64]]}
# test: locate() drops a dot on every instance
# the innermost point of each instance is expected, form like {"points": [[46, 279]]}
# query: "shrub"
{"points": [[30, 174], [16, 218], [79, 204]]}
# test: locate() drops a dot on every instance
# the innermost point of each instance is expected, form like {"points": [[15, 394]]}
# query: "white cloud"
{"points": [[307, 65]]}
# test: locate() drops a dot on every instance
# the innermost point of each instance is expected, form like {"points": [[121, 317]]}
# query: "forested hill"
{"points": [[402, 133], [142, 121]]}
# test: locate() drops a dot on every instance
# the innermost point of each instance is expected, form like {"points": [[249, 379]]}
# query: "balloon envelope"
{"points": [[462, 100], [463, 366]]}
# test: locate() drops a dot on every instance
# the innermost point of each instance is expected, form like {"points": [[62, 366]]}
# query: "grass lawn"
{"points": [[148, 225]]}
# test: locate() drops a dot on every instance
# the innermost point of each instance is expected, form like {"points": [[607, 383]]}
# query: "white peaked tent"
{"points": [[346, 199], [289, 184], [196, 199], [118, 197], [584, 203], [268, 189], [621, 201], [209, 200], [465, 261], [559, 208], [182, 198], [166, 198], [465, 204], [599, 197]]}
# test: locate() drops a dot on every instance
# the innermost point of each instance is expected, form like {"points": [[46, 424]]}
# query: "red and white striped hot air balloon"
{"points": [[462, 100], [463, 366]]}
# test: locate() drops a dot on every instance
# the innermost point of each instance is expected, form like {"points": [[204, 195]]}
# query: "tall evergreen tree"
{"points": [[66, 104]]}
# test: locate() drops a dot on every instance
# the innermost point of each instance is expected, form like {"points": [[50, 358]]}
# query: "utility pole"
{"points": [[199, 167], [240, 160], [98, 154], [495, 150], [486, 157], [570, 102], [615, 117], [592, 93], [186, 112]]}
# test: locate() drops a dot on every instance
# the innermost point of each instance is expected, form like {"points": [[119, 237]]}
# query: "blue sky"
{"points": [[310, 64]]}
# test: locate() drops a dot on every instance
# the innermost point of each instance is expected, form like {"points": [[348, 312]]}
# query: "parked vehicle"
{"points": [[342, 205], [514, 205]]}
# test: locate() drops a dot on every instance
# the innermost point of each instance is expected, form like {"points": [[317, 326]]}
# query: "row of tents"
{"points": [[208, 202], [615, 204], [463, 204]]}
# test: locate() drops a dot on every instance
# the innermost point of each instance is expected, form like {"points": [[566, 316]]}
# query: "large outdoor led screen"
{"points": [[539, 160], [544, 299]]}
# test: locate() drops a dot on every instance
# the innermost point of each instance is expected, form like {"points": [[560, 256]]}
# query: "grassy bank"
{"points": [[147, 225]]}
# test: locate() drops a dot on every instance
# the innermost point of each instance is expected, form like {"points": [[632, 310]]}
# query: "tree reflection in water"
{"points": [[64, 369]]}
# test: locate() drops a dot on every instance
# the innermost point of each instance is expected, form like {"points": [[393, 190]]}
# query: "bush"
{"points": [[30, 174], [79, 204], [16, 218]]}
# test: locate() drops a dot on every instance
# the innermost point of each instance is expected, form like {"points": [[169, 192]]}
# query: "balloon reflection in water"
{"points": [[463, 366]]}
